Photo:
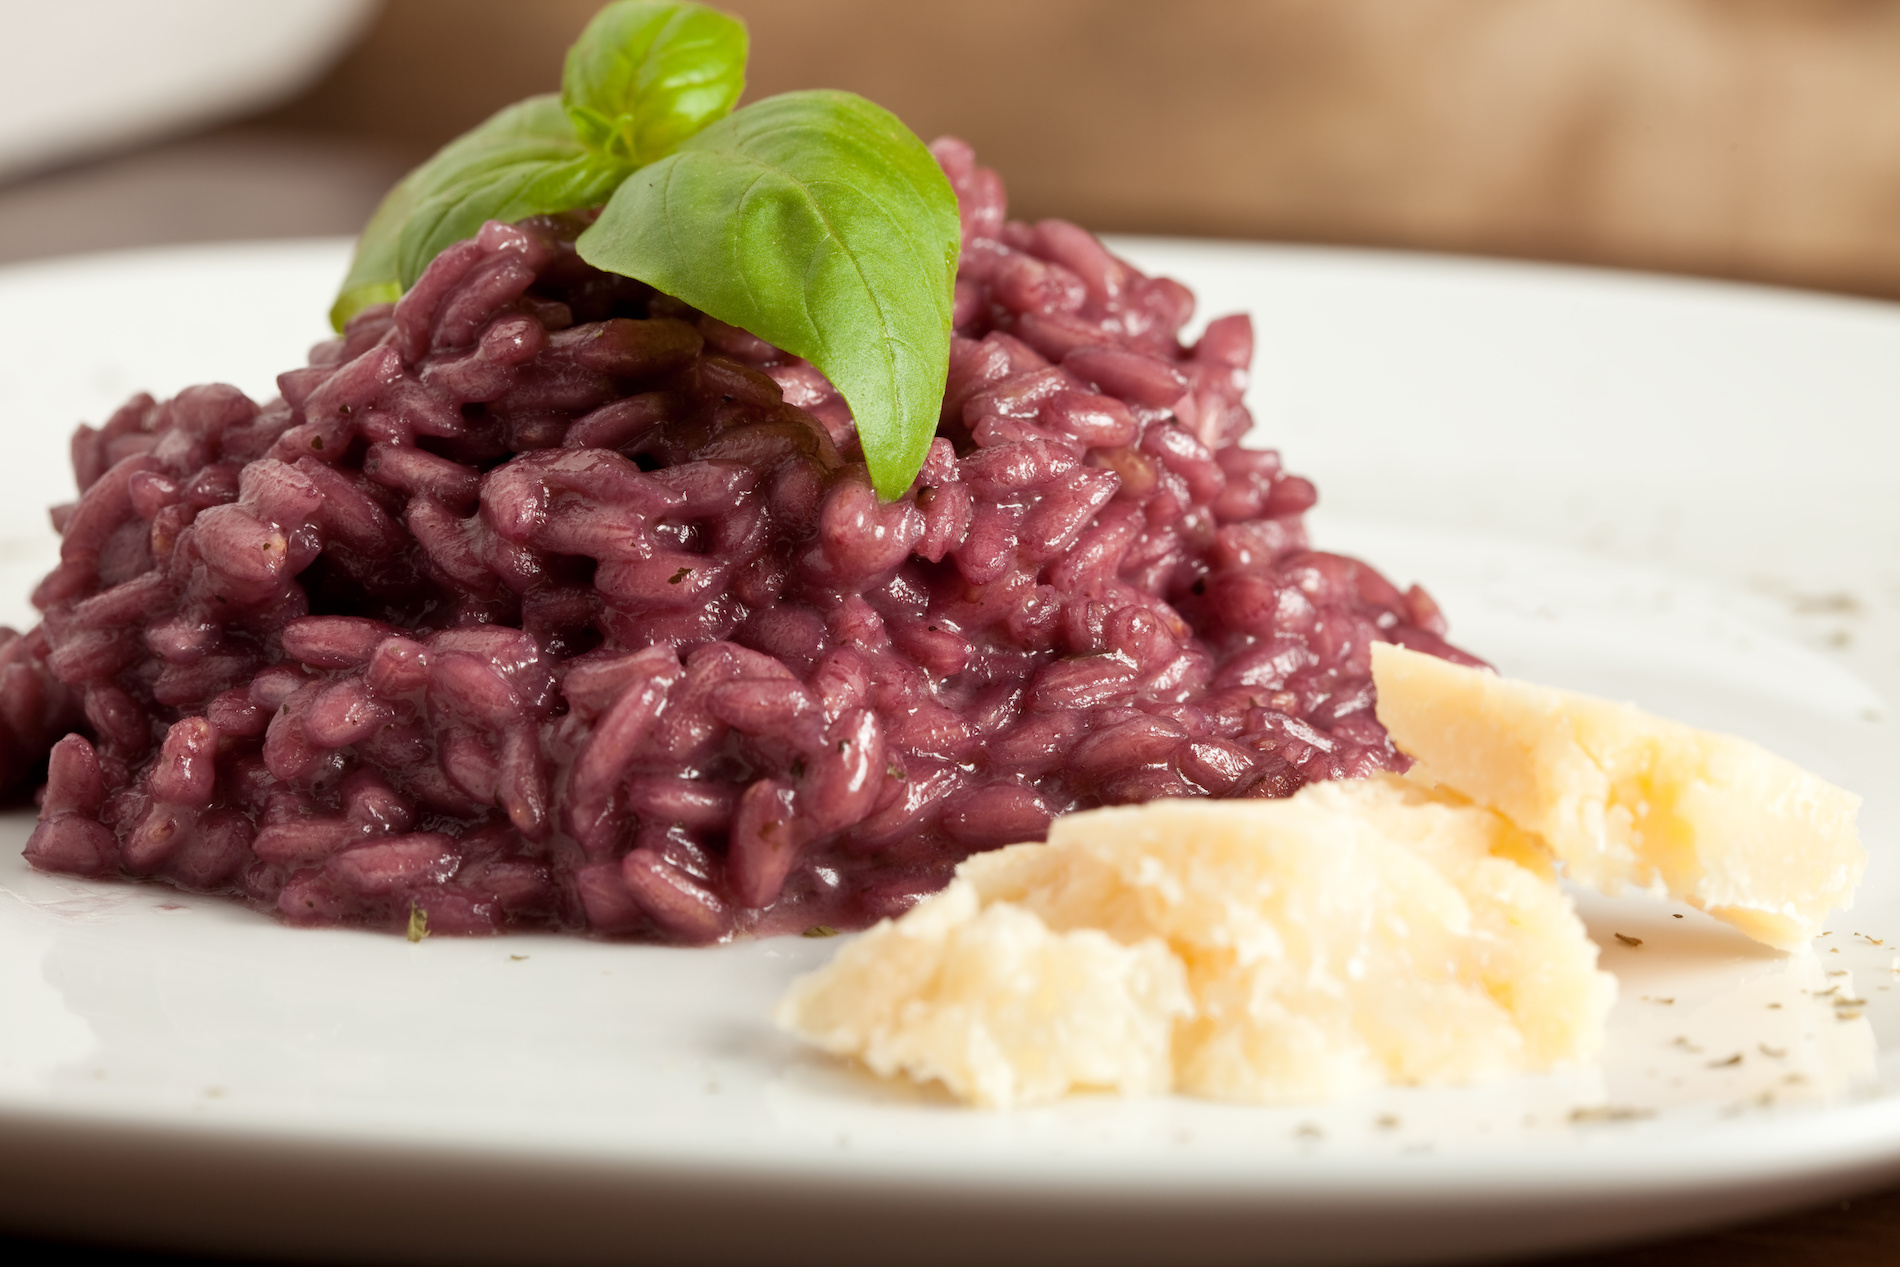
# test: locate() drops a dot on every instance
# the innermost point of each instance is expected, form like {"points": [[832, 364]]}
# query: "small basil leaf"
{"points": [[819, 222], [645, 75], [372, 276], [531, 165], [525, 160]]}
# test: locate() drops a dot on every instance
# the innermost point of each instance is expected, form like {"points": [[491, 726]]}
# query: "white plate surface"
{"points": [[1669, 492]]}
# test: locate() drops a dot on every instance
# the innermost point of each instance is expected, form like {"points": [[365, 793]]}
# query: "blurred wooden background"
{"points": [[1739, 138]]}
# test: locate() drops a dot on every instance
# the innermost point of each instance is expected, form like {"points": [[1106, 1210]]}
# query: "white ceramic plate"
{"points": [[1663, 491], [88, 76]]}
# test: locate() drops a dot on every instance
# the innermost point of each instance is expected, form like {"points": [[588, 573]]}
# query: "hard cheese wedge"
{"points": [[1624, 798], [1264, 951]]}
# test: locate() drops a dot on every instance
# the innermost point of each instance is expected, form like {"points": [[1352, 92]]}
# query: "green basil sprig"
{"points": [[524, 161], [815, 220], [643, 77], [821, 224]]}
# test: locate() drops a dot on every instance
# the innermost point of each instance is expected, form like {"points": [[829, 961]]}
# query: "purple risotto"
{"points": [[540, 599]]}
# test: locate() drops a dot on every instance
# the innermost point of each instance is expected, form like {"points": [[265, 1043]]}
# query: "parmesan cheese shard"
{"points": [[994, 1005], [1261, 951], [1627, 799]]}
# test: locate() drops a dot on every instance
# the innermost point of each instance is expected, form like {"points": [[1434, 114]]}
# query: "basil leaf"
{"points": [[525, 160], [820, 223], [372, 276], [645, 75]]}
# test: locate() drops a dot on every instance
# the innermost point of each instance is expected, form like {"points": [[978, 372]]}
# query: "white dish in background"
{"points": [[87, 76], [1551, 452]]}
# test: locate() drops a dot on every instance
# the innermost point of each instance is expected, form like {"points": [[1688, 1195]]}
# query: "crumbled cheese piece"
{"points": [[1263, 951], [994, 1005], [1624, 798]]}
